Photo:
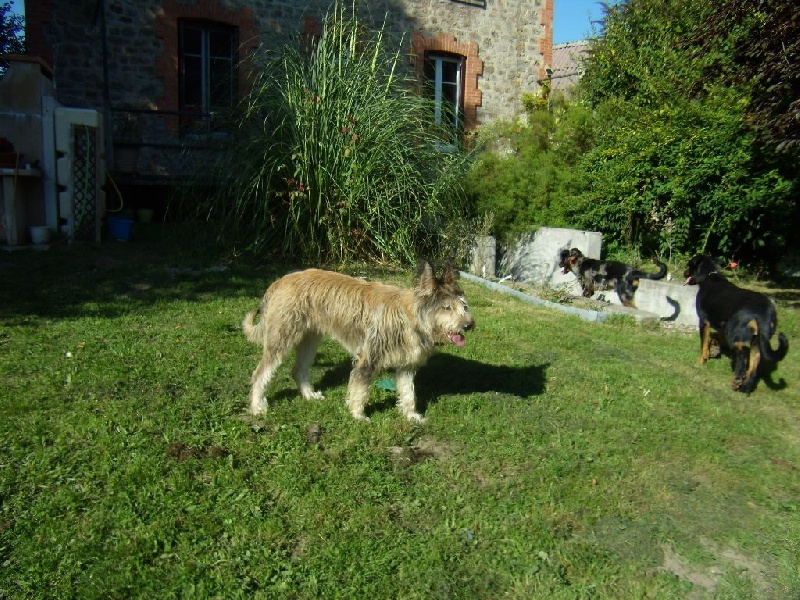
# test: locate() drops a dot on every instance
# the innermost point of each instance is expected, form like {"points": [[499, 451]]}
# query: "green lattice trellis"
{"points": [[84, 183]]}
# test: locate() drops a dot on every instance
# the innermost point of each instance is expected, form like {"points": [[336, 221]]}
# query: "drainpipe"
{"points": [[107, 117]]}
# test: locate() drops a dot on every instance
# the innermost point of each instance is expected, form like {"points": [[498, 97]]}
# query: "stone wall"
{"points": [[534, 258], [512, 42]]}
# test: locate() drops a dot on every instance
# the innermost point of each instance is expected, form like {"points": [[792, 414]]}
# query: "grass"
{"points": [[560, 458]]}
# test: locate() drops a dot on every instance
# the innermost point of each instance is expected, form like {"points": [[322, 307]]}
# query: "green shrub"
{"points": [[336, 157], [684, 178], [525, 172], [678, 164]]}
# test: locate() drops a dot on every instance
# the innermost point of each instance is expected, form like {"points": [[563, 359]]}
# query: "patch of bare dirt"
{"points": [[426, 448], [182, 452], [705, 579]]}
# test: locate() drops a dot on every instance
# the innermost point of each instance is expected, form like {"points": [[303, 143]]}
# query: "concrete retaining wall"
{"points": [[672, 302], [586, 315], [535, 259]]}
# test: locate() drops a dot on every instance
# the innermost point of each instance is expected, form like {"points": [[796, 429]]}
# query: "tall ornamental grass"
{"points": [[336, 156]]}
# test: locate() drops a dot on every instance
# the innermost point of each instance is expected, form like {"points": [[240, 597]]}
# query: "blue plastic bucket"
{"points": [[119, 228]]}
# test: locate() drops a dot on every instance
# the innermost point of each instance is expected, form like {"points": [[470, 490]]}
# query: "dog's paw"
{"points": [[415, 417], [360, 416], [258, 409], [314, 395]]}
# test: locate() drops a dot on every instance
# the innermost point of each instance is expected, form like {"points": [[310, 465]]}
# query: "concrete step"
{"points": [[669, 302], [672, 302], [642, 317], [590, 309]]}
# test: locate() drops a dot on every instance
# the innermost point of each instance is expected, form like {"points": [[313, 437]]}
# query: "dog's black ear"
{"points": [[694, 262]]}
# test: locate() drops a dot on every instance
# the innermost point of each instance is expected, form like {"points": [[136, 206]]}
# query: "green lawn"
{"points": [[559, 459]]}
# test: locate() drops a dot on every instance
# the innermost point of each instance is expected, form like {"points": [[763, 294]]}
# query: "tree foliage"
{"points": [[526, 167], [764, 42], [684, 137], [677, 164], [12, 34]]}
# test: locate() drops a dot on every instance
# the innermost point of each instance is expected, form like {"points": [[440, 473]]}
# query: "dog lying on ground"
{"points": [[382, 326], [594, 274], [744, 321]]}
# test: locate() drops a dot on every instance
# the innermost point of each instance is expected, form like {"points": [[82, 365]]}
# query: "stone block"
{"points": [[672, 302], [484, 256], [534, 259]]}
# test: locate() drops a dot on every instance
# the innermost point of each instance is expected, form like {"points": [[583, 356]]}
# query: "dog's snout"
{"points": [[469, 325]]}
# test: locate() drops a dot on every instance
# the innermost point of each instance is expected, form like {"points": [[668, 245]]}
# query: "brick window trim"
{"points": [[166, 29], [546, 41], [473, 68], [312, 32], [37, 15]]}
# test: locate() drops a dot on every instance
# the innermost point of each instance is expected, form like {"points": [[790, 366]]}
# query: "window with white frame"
{"points": [[207, 69], [444, 74]]}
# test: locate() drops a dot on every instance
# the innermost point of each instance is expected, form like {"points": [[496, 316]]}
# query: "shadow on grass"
{"points": [[111, 279], [444, 375], [766, 369], [788, 297], [447, 374]]}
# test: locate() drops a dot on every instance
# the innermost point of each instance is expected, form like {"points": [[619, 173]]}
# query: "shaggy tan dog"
{"points": [[382, 326]]}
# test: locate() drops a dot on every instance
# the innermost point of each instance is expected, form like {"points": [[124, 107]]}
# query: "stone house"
{"points": [[157, 70]]}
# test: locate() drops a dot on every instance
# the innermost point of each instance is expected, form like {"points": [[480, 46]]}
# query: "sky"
{"points": [[572, 19], [17, 7]]}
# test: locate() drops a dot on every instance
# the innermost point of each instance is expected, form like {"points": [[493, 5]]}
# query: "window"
{"points": [[207, 67], [444, 75], [426, 52]]}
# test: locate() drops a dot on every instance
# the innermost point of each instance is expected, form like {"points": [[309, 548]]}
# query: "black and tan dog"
{"points": [[743, 319], [594, 274]]}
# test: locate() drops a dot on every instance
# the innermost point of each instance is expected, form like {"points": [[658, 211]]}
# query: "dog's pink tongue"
{"points": [[457, 339]]}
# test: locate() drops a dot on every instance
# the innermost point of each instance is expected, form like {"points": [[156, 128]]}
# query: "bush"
{"points": [[683, 179], [525, 172], [678, 165], [336, 157]]}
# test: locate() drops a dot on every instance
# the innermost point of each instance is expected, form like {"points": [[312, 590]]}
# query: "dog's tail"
{"points": [[254, 332], [662, 270], [773, 355], [636, 274]]}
